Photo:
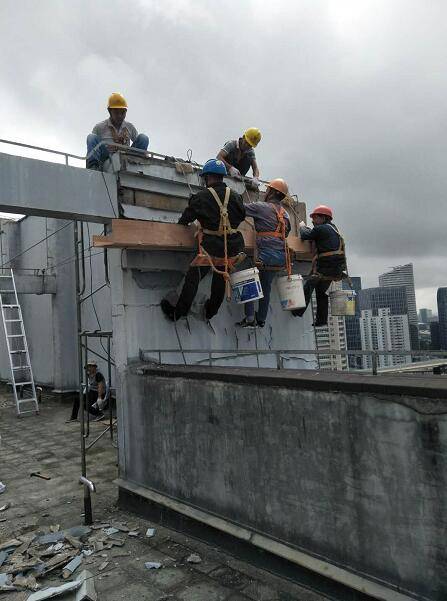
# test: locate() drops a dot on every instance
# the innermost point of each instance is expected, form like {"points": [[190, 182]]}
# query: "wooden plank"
{"points": [[152, 235]]}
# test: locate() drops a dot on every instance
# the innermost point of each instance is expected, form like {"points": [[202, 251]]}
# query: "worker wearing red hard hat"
{"points": [[329, 261]]}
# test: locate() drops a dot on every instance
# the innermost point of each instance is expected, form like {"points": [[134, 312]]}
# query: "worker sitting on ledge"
{"points": [[272, 225], [239, 155], [205, 207], [114, 130], [329, 262]]}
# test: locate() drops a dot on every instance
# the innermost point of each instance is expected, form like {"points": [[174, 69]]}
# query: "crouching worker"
{"points": [[219, 211], [329, 263], [272, 225], [96, 399], [114, 130]]}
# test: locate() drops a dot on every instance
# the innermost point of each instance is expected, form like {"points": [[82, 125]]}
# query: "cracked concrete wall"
{"points": [[356, 478], [138, 286]]}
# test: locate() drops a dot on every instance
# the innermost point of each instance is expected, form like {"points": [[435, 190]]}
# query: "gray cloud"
{"points": [[350, 97]]}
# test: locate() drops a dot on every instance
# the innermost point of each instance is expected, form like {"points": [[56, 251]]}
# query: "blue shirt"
{"points": [[270, 250]]}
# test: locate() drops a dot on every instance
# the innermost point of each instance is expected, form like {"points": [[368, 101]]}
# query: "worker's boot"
{"points": [[92, 164], [168, 309], [319, 324], [247, 324]]}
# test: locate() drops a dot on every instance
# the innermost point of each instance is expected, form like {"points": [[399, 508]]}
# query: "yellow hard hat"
{"points": [[252, 135], [117, 101]]}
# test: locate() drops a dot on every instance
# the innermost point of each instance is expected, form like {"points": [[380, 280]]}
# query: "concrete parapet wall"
{"points": [[352, 469]]}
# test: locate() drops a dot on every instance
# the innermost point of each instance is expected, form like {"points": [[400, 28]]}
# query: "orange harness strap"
{"points": [[280, 232]]}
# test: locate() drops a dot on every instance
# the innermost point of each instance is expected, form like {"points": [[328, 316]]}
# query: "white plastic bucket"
{"points": [[342, 302], [246, 286], [291, 292]]}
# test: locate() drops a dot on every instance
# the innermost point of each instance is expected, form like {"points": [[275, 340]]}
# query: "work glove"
{"points": [[302, 224], [255, 182], [235, 173]]}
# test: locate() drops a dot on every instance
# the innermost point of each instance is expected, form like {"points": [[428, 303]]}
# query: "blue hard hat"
{"points": [[214, 166]]}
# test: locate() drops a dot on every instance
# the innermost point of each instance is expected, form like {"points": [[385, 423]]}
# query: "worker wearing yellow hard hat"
{"points": [[113, 131], [239, 155]]}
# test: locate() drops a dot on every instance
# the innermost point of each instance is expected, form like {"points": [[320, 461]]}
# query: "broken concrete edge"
{"points": [[426, 388], [316, 564]]}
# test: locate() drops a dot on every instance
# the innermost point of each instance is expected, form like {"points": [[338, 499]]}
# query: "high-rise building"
{"points": [[442, 317], [435, 344], [402, 275], [386, 332], [332, 336], [425, 315], [394, 298], [352, 326]]}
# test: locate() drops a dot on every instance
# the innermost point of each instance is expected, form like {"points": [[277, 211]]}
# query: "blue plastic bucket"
{"points": [[245, 285]]}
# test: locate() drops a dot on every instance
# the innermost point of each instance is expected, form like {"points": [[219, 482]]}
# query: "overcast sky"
{"points": [[350, 97]]}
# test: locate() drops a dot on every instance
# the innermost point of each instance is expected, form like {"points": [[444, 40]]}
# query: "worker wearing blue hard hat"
{"points": [[219, 211]]}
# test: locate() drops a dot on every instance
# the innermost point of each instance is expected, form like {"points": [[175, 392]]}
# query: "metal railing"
{"points": [[67, 155], [156, 355]]}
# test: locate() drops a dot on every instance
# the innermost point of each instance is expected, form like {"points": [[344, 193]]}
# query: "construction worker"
{"points": [[272, 225], [239, 155], [329, 261], [114, 130], [207, 206], [96, 399]]}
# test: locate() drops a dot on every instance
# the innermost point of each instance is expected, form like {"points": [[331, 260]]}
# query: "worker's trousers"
{"points": [[266, 278], [320, 286], [189, 291], [92, 398], [97, 156]]}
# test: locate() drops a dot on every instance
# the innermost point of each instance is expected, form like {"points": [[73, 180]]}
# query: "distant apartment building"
{"points": [[425, 315], [394, 298], [386, 332], [352, 326], [333, 337], [442, 317], [402, 275]]}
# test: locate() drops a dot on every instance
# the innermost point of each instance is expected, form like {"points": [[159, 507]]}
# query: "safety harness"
{"points": [[279, 232], [204, 259], [330, 253]]}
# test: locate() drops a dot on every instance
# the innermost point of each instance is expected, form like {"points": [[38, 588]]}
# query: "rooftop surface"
{"points": [[46, 443]]}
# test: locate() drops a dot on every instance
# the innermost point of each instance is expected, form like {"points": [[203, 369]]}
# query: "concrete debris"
{"points": [[133, 533], [79, 531], [5, 580], [3, 556], [51, 538], [5, 507], [103, 566], [152, 565], [110, 531], [121, 527], [2, 487], [40, 475], [150, 532], [55, 591], [28, 582], [87, 590], [74, 542], [10, 544], [87, 552], [72, 566], [194, 558], [100, 526], [55, 528]]}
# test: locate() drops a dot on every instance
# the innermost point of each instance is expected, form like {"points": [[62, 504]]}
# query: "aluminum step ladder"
{"points": [[22, 378]]}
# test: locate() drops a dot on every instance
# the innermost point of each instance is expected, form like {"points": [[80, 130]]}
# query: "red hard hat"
{"points": [[322, 210]]}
